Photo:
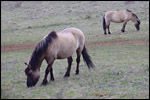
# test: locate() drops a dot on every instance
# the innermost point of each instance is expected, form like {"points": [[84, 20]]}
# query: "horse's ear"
{"points": [[25, 63], [29, 66]]}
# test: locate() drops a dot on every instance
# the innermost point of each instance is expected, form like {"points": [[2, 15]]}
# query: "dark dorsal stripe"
{"points": [[41, 48]]}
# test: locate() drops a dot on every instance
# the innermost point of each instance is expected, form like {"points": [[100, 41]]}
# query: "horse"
{"points": [[54, 46], [119, 17]]}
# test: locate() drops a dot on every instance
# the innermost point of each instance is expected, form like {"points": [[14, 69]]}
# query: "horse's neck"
{"points": [[40, 62], [133, 19], [36, 62]]}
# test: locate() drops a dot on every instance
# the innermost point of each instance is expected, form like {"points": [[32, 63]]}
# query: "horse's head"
{"points": [[32, 75], [137, 24], [136, 21]]}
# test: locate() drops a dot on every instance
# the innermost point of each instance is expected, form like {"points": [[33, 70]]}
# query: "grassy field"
{"points": [[122, 71]]}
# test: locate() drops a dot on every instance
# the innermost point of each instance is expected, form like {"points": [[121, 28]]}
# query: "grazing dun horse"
{"points": [[119, 17], [54, 46]]}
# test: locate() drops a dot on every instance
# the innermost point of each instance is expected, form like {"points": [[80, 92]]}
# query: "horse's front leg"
{"points": [[45, 78], [67, 74], [123, 28], [48, 69]]}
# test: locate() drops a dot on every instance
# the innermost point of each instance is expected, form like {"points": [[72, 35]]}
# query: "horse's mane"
{"points": [[129, 10], [41, 48], [132, 13]]}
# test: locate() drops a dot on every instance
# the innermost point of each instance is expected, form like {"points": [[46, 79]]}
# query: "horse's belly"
{"points": [[117, 19], [65, 54]]}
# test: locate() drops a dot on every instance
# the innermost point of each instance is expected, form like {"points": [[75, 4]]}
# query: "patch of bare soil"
{"points": [[117, 43], [5, 48], [16, 47]]}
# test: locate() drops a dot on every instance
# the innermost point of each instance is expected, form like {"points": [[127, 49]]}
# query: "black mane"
{"points": [[41, 48], [132, 13], [128, 10]]}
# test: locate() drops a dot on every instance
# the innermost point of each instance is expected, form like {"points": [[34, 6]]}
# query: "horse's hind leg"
{"points": [[108, 30], [105, 31], [69, 67], [107, 26], [78, 61]]}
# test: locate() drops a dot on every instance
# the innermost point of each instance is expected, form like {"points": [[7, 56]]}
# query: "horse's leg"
{"points": [[105, 31], [67, 74], [108, 29], [107, 26], [51, 73], [123, 28], [48, 69], [78, 61], [45, 78]]}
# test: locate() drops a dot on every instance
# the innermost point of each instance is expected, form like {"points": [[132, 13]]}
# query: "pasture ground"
{"points": [[121, 59]]}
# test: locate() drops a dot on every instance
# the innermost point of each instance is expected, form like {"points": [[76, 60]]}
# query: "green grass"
{"points": [[121, 72]]}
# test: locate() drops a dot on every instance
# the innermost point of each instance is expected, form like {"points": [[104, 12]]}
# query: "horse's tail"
{"points": [[104, 23], [87, 58]]}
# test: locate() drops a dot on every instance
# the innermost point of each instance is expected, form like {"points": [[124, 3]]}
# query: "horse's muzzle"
{"points": [[137, 27], [31, 82]]}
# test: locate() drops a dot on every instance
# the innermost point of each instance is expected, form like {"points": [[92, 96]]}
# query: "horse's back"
{"points": [[114, 16], [72, 34], [69, 40], [117, 16], [72, 31]]}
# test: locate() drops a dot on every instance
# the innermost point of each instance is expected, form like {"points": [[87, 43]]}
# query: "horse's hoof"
{"points": [[52, 79], [77, 72], [109, 33], [66, 75], [122, 31], [105, 33], [44, 82]]}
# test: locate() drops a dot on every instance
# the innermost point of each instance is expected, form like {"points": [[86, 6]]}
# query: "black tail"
{"points": [[104, 23], [87, 59]]}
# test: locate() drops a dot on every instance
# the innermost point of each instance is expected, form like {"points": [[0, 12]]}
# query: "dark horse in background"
{"points": [[119, 17], [54, 46]]}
